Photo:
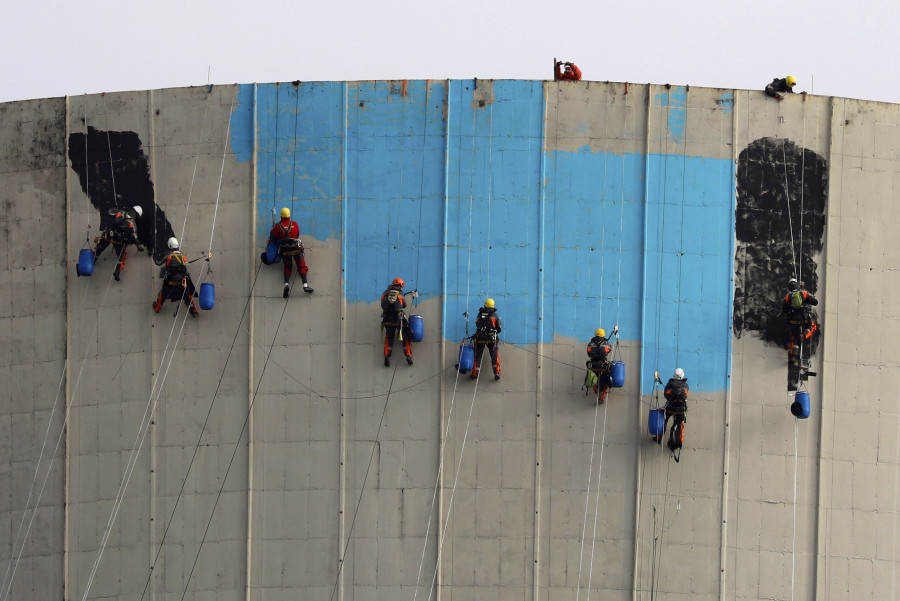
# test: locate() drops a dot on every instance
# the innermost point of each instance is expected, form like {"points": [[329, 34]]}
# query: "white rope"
{"points": [[597, 504], [462, 451], [437, 482], [787, 197], [196, 161], [794, 525], [212, 229], [587, 499]]}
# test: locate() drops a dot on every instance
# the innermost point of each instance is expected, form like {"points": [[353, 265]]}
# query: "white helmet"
{"points": [[679, 374], [138, 210], [173, 243]]}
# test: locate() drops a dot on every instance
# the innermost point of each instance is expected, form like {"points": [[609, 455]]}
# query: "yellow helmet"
{"points": [[600, 332], [790, 80], [489, 303], [285, 213]]}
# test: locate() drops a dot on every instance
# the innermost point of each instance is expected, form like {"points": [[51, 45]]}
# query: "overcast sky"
{"points": [[52, 48]]}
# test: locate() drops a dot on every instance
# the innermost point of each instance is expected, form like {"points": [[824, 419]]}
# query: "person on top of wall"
{"points": [[487, 328], [676, 393], [797, 303], [598, 362], [176, 281], [393, 320], [571, 72], [779, 87], [287, 234], [120, 234]]}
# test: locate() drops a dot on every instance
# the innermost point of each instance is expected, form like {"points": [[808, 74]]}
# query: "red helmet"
{"points": [[399, 282]]}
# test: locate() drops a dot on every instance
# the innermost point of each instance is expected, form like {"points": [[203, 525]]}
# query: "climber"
{"points": [[287, 234], [487, 327], [120, 234], [176, 281], [393, 320], [599, 377], [800, 317], [571, 72], [779, 87], [676, 392]]}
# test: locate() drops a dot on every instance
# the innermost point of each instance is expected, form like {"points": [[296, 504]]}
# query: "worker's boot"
{"points": [[387, 361], [409, 360], [158, 304]]}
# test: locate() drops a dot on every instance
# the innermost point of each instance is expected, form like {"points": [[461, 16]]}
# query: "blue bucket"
{"points": [[272, 255], [207, 296], [800, 406], [618, 374], [85, 264], [466, 358], [417, 327], [657, 422]]}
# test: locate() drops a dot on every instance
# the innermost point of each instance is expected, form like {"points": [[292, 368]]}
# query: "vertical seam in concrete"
{"points": [[539, 376], [254, 188], [440, 501], [343, 428], [726, 432], [823, 511], [640, 406], [152, 424], [65, 555]]}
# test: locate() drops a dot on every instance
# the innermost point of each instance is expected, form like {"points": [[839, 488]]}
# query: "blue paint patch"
{"points": [[726, 101], [676, 101], [643, 243]]}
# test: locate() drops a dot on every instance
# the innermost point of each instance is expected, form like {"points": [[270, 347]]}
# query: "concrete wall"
{"points": [[263, 451]]}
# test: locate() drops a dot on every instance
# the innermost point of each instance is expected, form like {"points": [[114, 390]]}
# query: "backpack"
{"points": [[590, 380], [389, 298], [797, 299]]}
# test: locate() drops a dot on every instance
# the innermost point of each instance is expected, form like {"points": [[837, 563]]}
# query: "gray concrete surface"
{"points": [[270, 433]]}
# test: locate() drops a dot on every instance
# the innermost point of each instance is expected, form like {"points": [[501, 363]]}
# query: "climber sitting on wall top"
{"points": [[779, 87]]}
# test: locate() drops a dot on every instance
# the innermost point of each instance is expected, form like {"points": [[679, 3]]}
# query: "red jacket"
{"points": [[285, 229], [573, 75]]}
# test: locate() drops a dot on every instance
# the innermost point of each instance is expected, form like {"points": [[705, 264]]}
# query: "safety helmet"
{"points": [[790, 80], [793, 283], [138, 210], [679, 374], [285, 213], [489, 303], [399, 282], [173, 243], [600, 332]]}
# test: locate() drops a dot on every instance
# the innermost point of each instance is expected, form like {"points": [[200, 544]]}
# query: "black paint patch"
{"points": [[129, 177], [772, 175]]}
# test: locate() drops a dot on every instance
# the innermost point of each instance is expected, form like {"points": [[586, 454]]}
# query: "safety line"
{"points": [[437, 482], [200, 437], [13, 566], [787, 198], [587, 499], [794, 524], [112, 171], [237, 443], [212, 228], [597, 504], [362, 488], [196, 161], [455, 481], [143, 428]]}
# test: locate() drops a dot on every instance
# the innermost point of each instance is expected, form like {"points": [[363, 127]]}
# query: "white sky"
{"points": [[52, 48]]}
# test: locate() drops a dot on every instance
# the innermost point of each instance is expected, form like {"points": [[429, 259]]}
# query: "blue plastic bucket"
{"points": [[800, 406], [417, 327], [272, 255], [618, 374], [207, 296], [466, 358], [657, 422], [85, 264]]}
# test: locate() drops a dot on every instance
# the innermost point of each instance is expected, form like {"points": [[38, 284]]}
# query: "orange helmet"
{"points": [[399, 282]]}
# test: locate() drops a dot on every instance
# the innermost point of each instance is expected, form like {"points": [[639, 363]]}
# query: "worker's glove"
{"points": [[415, 294]]}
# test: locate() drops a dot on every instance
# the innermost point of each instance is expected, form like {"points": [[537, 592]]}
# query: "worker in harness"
{"points": [[120, 233], [599, 376], [393, 320], [781, 86], [487, 329], [676, 393], [287, 234], [176, 281], [800, 318]]}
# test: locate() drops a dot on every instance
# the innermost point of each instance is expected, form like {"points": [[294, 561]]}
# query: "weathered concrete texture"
{"points": [[263, 451]]}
